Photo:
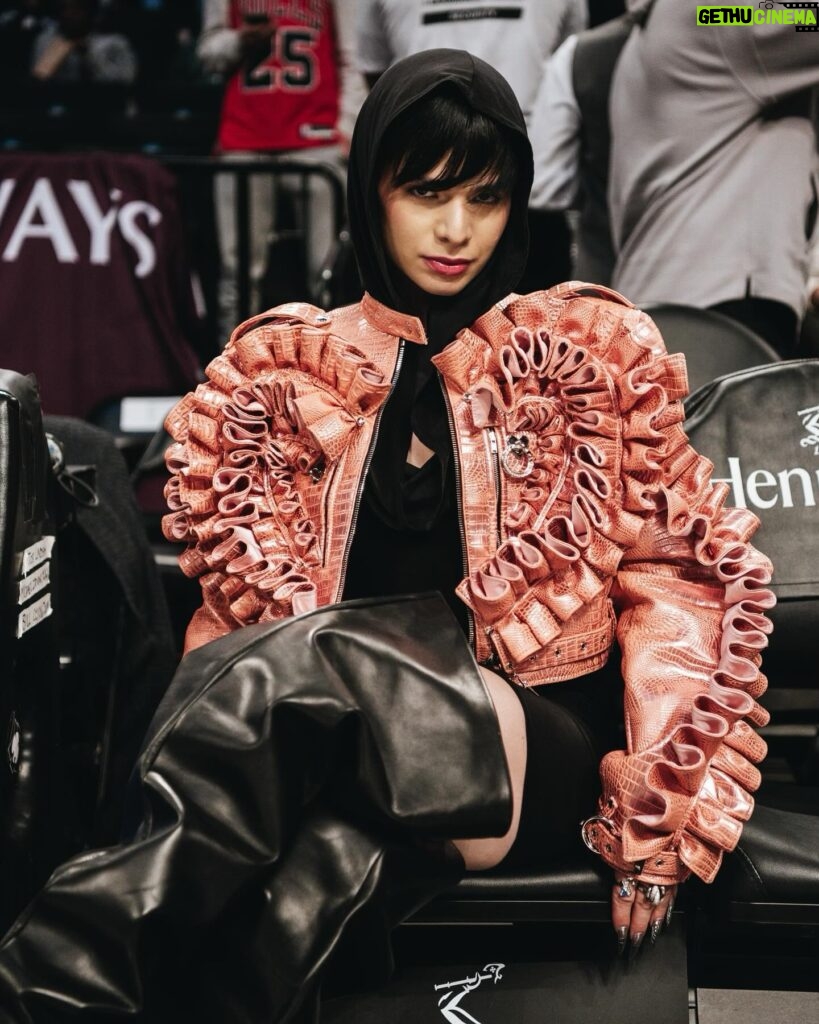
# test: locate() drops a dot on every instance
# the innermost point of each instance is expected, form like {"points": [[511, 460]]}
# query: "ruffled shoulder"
{"points": [[584, 377], [629, 456], [255, 446]]}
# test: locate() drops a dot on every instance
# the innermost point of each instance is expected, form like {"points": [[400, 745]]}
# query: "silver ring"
{"points": [[625, 890], [653, 893]]}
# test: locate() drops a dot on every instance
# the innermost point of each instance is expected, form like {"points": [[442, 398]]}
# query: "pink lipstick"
{"points": [[446, 266]]}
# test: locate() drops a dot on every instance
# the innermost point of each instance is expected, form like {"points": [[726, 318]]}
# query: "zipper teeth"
{"points": [[365, 470], [458, 501], [493, 447]]}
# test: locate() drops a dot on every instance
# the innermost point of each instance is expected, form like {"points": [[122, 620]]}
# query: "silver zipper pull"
{"points": [[516, 459]]}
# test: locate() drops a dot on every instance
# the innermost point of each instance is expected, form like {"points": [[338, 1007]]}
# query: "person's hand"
{"points": [[254, 40], [635, 914]]}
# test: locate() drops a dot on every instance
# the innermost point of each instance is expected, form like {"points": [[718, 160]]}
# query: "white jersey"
{"points": [[514, 36]]}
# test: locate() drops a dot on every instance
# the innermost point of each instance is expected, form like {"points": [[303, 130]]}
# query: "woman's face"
{"points": [[442, 238]]}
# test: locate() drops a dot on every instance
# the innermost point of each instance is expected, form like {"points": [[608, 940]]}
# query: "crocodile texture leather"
{"points": [[584, 512]]}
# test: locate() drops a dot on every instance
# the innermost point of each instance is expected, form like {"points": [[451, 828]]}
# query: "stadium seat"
{"points": [[760, 428], [712, 343], [29, 695]]}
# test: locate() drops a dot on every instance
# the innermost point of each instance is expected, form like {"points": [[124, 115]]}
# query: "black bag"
{"points": [[116, 642], [30, 827]]}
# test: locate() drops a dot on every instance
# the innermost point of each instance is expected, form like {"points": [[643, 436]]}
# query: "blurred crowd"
{"points": [[119, 41], [633, 156]]}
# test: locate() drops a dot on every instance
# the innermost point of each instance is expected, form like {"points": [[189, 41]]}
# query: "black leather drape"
{"points": [[286, 790]]}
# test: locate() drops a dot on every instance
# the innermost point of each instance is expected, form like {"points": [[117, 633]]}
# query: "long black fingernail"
{"points": [[655, 930], [668, 913], [634, 948], [622, 939]]}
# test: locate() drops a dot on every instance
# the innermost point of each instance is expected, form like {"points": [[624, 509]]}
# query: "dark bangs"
{"points": [[443, 126]]}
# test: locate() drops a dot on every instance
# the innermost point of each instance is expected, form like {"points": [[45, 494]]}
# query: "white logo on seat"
{"points": [[810, 421], [454, 991]]}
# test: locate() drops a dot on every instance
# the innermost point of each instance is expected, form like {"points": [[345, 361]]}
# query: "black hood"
{"points": [[403, 84]]}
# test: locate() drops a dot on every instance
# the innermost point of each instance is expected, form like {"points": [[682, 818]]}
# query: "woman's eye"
{"points": [[422, 192], [486, 197]]}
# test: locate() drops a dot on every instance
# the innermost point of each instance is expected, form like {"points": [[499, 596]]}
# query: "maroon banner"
{"points": [[95, 290]]}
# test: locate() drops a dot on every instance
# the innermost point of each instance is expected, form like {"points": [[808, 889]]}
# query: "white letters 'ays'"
{"points": [[42, 217]]}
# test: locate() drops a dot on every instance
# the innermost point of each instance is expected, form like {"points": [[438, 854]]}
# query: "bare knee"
{"points": [[481, 854]]}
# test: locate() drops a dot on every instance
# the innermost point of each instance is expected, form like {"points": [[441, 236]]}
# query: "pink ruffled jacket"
{"points": [[585, 515]]}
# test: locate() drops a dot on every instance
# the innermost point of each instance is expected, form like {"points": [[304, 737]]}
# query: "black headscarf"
{"points": [[402, 85], [408, 535]]}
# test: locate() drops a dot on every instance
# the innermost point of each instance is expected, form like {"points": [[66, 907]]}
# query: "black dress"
{"points": [[407, 540]]}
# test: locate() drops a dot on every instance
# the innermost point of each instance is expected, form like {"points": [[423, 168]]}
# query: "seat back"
{"points": [[28, 650], [760, 428], [101, 236], [713, 344]]}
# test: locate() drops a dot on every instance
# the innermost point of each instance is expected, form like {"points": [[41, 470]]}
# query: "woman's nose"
{"points": [[453, 225]]}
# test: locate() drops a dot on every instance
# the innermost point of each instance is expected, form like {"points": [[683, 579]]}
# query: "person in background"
{"points": [[289, 79], [162, 33], [20, 25], [570, 137], [72, 49], [517, 38], [809, 338], [712, 185]]}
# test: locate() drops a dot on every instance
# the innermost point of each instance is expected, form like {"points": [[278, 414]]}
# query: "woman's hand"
{"points": [[634, 913]]}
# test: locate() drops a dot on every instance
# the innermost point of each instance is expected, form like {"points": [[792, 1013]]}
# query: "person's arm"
{"points": [[353, 89], [555, 134], [769, 61], [48, 53], [373, 51], [220, 48], [691, 596], [813, 273], [575, 20]]}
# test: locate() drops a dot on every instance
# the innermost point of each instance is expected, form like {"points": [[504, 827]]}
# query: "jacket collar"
{"points": [[391, 322]]}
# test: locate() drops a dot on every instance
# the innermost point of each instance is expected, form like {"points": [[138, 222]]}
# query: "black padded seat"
{"points": [[713, 344], [773, 875], [578, 889]]}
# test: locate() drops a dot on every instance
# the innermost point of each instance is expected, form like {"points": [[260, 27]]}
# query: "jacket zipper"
{"points": [[458, 502], [362, 479], [493, 448], [494, 657]]}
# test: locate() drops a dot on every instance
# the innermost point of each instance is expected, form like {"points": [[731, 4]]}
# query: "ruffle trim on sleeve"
{"points": [[278, 408], [690, 793]]}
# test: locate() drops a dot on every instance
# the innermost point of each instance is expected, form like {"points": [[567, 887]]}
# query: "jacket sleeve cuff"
{"points": [[670, 813]]}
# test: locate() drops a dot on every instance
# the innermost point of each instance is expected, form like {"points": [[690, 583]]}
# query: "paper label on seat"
{"points": [[35, 553], [141, 415], [28, 586], [33, 615]]}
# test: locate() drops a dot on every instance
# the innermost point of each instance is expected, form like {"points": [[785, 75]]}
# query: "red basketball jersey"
{"points": [[289, 98]]}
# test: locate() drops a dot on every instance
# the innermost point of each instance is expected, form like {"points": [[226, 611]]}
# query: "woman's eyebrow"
{"points": [[442, 184], [433, 184]]}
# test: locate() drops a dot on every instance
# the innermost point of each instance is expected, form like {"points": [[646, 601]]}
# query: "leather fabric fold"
{"points": [[295, 779]]}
